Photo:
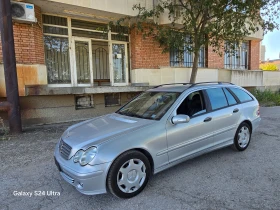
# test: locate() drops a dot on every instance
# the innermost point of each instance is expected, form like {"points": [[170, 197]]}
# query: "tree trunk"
{"points": [[194, 68]]}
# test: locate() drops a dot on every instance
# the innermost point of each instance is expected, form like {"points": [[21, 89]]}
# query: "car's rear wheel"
{"points": [[129, 174], [242, 137]]}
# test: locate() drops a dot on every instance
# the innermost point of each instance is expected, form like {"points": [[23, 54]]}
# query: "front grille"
{"points": [[64, 149]]}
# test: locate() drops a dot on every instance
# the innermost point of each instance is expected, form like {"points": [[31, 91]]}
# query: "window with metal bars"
{"points": [[119, 33], [84, 102], [88, 29], [100, 58], [112, 99], [57, 60], [56, 48], [179, 58], [236, 57]]}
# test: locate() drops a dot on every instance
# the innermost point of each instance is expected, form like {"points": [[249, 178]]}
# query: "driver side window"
{"points": [[193, 105]]}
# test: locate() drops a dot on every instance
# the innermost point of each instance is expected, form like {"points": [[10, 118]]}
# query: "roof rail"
{"points": [[183, 83], [220, 83], [192, 84]]}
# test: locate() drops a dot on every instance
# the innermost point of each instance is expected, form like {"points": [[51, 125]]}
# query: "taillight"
{"points": [[258, 111]]}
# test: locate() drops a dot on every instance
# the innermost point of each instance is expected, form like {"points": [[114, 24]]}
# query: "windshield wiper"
{"points": [[123, 113], [129, 114], [135, 115]]}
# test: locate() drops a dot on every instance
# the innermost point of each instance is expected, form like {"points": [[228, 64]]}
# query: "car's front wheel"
{"points": [[242, 137], [129, 174]]}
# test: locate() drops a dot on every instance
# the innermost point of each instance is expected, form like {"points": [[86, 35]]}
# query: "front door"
{"points": [[119, 69], [83, 62], [190, 138]]}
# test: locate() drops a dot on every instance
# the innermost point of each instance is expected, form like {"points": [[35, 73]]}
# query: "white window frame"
{"points": [[75, 82], [231, 65], [72, 56], [111, 64]]}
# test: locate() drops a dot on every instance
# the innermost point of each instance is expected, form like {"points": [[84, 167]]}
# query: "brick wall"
{"points": [[254, 54], [28, 38], [146, 53], [213, 60]]}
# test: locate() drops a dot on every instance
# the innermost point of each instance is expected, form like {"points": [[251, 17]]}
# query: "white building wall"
{"points": [[123, 7], [244, 78]]}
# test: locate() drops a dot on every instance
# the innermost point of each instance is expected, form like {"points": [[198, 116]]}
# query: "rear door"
{"points": [[225, 113], [250, 107]]}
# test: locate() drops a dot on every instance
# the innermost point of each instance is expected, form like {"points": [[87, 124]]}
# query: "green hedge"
{"points": [[267, 97]]}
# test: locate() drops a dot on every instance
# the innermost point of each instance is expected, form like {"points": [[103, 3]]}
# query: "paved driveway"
{"points": [[224, 179]]}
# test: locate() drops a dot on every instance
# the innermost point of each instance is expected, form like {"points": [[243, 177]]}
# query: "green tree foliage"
{"points": [[197, 23]]}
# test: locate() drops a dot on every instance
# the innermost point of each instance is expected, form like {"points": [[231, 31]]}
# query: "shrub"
{"points": [[268, 67], [267, 97]]}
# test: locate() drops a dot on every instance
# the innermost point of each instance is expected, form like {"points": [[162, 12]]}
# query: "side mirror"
{"points": [[180, 118]]}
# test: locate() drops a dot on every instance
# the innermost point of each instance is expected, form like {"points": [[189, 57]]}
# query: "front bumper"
{"points": [[90, 180]]}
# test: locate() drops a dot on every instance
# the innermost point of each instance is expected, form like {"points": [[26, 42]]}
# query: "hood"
{"points": [[95, 131]]}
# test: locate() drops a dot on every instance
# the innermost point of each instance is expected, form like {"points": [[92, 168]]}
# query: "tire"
{"points": [[242, 137], [129, 174]]}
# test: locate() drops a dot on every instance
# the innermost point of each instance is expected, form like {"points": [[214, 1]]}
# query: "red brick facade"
{"points": [[146, 53], [213, 60], [28, 38], [254, 54]]}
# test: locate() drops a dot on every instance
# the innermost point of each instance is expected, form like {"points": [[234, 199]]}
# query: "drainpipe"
{"points": [[9, 60]]}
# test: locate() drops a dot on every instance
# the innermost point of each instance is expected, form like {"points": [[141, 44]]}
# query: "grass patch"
{"points": [[267, 97]]}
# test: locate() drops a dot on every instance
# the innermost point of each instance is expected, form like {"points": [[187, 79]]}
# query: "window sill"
{"points": [[37, 90]]}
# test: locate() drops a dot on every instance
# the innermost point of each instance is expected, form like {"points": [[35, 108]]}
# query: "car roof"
{"points": [[181, 87]]}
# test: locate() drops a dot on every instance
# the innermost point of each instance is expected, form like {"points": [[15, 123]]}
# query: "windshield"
{"points": [[149, 105]]}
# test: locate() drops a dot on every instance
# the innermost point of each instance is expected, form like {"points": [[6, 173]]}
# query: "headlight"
{"points": [[78, 156], [84, 157], [88, 156]]}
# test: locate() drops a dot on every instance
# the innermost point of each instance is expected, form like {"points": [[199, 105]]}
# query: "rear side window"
{"points": [[241, 94], [230, 98], [217, 98]]}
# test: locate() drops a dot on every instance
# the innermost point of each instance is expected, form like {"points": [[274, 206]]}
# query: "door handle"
{"points": [[235, 110], [207, 119]]}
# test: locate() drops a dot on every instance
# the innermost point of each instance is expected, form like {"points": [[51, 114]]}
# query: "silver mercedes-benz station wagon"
{"points": [[159, 128]]}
